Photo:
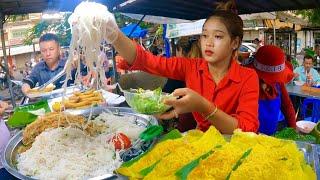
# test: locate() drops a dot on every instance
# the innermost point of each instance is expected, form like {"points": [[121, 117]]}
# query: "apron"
{"points": [[270, 113]]}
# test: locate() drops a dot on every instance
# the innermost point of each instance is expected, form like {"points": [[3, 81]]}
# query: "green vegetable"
{"points": [[316, 132], [291, 134], [22, 116], [183, 172], [144, 172], [239, 162], [174, 134], [149, 102]]}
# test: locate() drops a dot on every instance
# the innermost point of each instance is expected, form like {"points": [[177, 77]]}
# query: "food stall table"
{"points": [[297, 91]]}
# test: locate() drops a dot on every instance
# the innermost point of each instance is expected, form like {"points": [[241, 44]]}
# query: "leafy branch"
{"points": [[313, 15]]}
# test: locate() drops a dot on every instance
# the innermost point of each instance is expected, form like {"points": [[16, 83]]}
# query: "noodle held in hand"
{"points": [[86, 23]]}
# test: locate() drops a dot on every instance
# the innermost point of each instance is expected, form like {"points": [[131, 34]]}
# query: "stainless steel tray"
{"points": [[311, 154], [110, 98], [53, 94], [10, 152]]}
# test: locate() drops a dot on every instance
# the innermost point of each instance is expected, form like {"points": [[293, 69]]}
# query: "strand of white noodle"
{"points": [[87, 22]]}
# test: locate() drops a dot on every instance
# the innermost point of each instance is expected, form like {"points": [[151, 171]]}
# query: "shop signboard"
{"points": [[184, 29]]}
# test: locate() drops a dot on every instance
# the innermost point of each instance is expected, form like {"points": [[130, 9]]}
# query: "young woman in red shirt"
{"points": [[219, 91]]}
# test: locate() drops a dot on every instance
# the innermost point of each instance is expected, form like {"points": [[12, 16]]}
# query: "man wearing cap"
{"points": [[307, 73], [275, 105]]}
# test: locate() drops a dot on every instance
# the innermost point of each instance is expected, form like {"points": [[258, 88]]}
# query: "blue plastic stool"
{"points": [[315, 109]]}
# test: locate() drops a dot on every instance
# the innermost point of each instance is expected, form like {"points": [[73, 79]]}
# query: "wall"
{"points": [[21, 59], [249, 35]]}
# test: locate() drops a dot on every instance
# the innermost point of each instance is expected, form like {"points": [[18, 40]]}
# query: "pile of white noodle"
{"points": [[88, 25], [67, 153]]}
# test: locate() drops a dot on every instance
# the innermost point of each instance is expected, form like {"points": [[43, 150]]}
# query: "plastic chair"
{"points": [[315, 115]]}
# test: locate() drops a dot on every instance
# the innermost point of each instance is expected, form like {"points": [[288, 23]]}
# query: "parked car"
{"points": [[248, 47], [246, 50]]}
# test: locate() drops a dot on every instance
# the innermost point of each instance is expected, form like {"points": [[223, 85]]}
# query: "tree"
{"points": [[313, 15], [61, 28], [123, 20]]}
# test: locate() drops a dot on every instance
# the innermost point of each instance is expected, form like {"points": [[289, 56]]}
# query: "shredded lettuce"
{"points": [[149, 102]]}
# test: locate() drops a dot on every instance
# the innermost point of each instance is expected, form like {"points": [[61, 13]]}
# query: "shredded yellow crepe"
{"points": [[270, 158], [185, 154], [158, 152], [219, 164], [246, 156]]}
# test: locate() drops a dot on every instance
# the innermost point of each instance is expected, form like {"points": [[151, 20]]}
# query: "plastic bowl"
{"points": [[146, 103], [305, 126], [298, 83]]}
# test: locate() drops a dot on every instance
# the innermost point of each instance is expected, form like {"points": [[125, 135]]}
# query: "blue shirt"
{"points": [[41, 74], [302, 74]]}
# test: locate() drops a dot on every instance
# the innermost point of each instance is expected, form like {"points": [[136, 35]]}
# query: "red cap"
{"points": [[270, 65]]}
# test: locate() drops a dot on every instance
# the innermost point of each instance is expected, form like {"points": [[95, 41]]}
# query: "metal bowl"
{"points": [[9, 155]]}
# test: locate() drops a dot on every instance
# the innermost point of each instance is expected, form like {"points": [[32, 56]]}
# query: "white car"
{"points": [[248, 48]]}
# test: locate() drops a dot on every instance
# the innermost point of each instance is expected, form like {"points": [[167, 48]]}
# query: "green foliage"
{"points": [[310, 52], [123, 20], [313, 15], [295, 63], [291, 134], [61, 29]]}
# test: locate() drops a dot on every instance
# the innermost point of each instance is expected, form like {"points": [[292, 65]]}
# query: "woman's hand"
{"points": [[112, 29], [190, 101]]}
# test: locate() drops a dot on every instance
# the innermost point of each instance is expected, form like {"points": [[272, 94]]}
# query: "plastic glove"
{"points": [[112, 30], [90, 18]]}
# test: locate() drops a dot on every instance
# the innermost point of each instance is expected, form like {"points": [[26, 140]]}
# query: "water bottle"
{"points": [[308, 79]]}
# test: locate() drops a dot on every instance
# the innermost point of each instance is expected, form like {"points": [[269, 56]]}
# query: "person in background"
{"points": [[275, 106], [257, 42], [219, 91], [2, 78], [307, 73], [105, 62], [189, 48], [51, 65]]}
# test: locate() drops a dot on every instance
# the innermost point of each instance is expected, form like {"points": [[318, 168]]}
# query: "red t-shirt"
{"points": [[236, 94]]}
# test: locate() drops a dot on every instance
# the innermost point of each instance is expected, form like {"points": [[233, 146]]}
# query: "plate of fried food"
{"points": [[50, 91], [79, 101]]}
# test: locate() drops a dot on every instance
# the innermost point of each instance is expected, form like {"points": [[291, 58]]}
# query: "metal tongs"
{"points": [[147, 135]]}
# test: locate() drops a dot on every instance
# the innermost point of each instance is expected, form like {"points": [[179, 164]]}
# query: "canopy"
{"points": [[9, 7], [137, 33], [182, 9], [199, 9]]}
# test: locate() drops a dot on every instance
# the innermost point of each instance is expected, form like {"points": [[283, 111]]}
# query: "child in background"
{"points": [[219, 91], [274, 102]]}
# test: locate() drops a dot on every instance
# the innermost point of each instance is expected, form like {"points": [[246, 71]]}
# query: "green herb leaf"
{"points": [[185, 170], [239, 162]]}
